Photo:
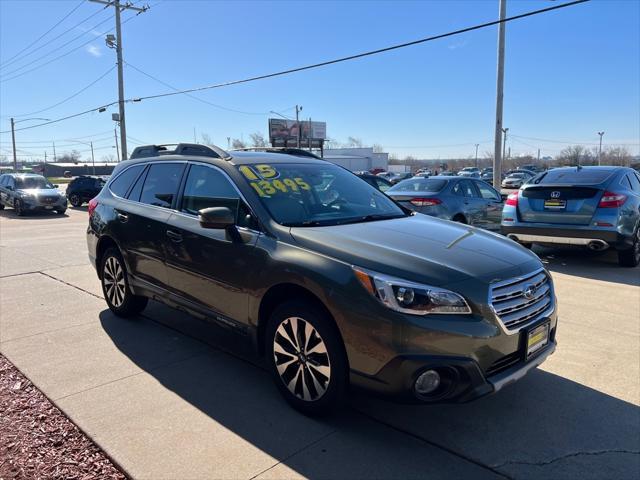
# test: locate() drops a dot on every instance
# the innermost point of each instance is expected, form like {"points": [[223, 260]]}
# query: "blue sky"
{"points": [[569, 73]]}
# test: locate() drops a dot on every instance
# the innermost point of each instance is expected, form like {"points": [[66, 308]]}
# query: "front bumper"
{"points": [[33, 205], [466, 381]]}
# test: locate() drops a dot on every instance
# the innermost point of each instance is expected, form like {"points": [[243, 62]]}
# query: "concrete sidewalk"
{"points": [[160, 394]]}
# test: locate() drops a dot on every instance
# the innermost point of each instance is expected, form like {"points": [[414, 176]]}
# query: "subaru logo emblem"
{"points": [[529, 291], [555, 194]]}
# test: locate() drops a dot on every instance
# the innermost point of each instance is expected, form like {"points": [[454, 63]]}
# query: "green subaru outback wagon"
{"points": [[334, 283]]}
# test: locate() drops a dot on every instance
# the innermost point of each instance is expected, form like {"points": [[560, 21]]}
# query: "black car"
{"points": [[375, 181], [28, 192], [84, 188], [331, 281]]}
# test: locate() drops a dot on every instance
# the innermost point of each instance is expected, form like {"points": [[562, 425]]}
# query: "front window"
{"points": [[26, 183], [317, 194]]}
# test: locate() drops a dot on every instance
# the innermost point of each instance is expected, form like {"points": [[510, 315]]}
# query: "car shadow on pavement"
{"points": [[10, 214], [584, 263], [544, 424]]}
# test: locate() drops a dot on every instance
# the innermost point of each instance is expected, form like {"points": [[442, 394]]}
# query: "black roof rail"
{"points": [[298, 152], [194, 149]]}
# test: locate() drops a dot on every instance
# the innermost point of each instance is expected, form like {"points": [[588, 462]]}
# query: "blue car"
{"points": [[461, 199], [596, 207]]}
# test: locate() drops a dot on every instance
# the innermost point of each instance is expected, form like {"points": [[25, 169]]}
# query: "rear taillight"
{"points": [[93, 203], [612, 200], [512, 199], [425, 202]]}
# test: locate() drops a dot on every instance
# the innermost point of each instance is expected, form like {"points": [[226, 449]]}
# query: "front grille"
{"points": [[47, 199], [504, 363], [513, 308]]}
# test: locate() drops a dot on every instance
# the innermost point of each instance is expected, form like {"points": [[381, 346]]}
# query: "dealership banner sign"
{"points": [[285, 132]]}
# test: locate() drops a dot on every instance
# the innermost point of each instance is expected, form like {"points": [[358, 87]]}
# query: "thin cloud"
{"points": [[93, 50], [456, 45]]}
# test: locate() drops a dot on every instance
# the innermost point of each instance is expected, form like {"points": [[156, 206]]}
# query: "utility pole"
{"points": [[538, 155], [228, 143], [44, 169], [118, 46], [93, 160], [477, 145], [13, 140], [504, 142], [298, 110], [497, 154], [599, 148], [54, 152], [309, 139], [115, 134]]}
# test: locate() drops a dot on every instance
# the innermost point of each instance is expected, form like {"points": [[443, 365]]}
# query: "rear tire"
{"points": [[306, 358], [528, 246], [460, 219], [630, 257], [75, 200], [1, 206], [115, 286]]}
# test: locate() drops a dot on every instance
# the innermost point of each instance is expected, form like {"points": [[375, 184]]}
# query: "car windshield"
{"points": [[574, 176], [26, 183], [306, 195], [419, 185]]}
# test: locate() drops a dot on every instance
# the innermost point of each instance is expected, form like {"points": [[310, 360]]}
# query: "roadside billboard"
{"points": [[284, 132]]}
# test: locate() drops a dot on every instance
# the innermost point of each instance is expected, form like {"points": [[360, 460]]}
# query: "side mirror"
{"points": [[216, 217]]}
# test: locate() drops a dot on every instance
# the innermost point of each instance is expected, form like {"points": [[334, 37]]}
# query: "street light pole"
{"points": [[298, 110], [497, 154], [13, 137], [600, 147], [504, 142], [477, 145], [13, 140]]}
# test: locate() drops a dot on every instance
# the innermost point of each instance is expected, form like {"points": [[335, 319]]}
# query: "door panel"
{"points": [[473, 205], [211, 266], [492, 215]]}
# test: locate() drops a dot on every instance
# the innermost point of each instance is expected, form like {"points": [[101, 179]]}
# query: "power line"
{"points": [[17, 70], [317, 65], [193, 96], [70, 97], [565, 142], [365, 54], [44, 34]]}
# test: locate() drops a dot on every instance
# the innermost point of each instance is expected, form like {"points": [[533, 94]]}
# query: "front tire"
{"points": [[631, 256], [18, 207], [115, 286], [306, 357], [61, 211]]}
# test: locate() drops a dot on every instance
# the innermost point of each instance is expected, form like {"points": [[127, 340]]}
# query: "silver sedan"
{"points": [[461, 199]]}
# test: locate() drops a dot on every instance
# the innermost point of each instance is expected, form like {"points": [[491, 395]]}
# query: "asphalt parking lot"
{"points": [[161, 395]]}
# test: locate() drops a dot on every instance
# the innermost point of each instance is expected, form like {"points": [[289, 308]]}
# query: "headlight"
{"points": [[409, 297]]}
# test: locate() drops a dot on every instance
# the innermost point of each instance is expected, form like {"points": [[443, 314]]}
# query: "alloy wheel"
{"points": [[301, 359], [114, 285], [17, 206], [75, 200]]}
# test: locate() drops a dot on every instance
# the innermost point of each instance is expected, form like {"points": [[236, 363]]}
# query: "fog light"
{"points": [[427, 382]]}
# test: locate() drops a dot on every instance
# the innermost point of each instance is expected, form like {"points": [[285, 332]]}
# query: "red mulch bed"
{"points": [[38, 441]]}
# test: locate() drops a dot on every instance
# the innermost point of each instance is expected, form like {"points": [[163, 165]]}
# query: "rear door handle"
{"points": [[123, 217], [174, 236]]}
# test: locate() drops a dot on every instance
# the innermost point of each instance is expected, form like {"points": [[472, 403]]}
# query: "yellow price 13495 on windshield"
{"points": [[266, 188]]}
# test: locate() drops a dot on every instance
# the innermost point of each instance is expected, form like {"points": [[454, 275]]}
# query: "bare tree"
{"points": [[574, 155], [354, 142], [377, 148], [110, 158], [72, 157], [257, 140], [237, 143], [206, 139]]}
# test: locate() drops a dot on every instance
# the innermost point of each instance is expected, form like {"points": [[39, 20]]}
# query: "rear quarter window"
{"points": [[120, 185]]}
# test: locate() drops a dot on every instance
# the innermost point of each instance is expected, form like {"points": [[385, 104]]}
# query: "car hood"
{"points": [[422, 249], [39, 191]]}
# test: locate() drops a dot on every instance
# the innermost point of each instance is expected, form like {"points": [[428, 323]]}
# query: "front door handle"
{"points": [[123, 217], [174, 236]]}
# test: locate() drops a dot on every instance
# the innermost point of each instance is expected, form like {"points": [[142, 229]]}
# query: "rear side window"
{"points": [[122, 182], [573, 176], [161, 185], [635, 183], [464, 189]]}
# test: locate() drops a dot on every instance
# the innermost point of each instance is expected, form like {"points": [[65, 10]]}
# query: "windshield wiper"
{"points": [[372, 218]]}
